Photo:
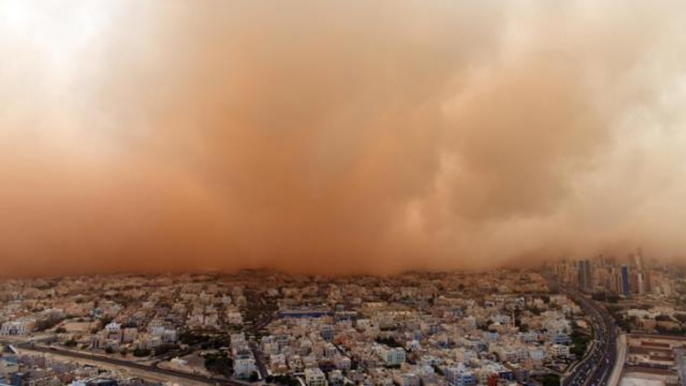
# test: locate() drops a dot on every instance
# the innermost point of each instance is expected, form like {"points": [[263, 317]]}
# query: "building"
{"points": [[129, 335], [315, 377], [558, 350], [113, 328], [406, 379], [244, 364], [460, 376], [17, 327], [626, 289], [586, 278], [391, 356]]}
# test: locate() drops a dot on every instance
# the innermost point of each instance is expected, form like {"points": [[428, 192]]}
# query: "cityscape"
{"points": [[342, 193], [599, 321]]}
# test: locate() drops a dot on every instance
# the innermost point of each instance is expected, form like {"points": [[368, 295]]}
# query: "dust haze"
{"points": [[338, 137]]}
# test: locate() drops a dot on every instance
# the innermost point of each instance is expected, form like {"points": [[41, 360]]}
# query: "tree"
{"points": [[599, 296], [165, 349], [286, 380], [141, 352], [193, 339], [254, 377], [580, 341], [551, 380], [47, 324], [219, 363], [390, 341]]}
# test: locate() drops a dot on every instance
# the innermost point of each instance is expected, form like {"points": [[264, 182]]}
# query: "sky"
{"points": [[347, 137]]}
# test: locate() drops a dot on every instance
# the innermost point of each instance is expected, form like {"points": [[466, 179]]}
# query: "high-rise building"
{"points": [[634, 280], [625, 280], [641, 283], [648, 281], [585, 275]]}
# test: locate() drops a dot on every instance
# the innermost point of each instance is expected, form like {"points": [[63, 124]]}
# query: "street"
{"points": [[596, 368], [153, 372]]}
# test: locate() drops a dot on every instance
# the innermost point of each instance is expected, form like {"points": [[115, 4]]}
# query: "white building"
{"points": [[460, 376], [343, 363], [113, 328], [558, 350], [391, 356], [238, 341], [18, 327], [537, 354], [244, 364], [315, 377], [169, 336], [234, 317], [406, 379]]}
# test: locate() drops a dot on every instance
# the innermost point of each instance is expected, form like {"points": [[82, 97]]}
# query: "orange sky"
{"points": [[338, 137]]}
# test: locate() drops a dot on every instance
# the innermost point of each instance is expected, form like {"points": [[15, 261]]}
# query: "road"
{"points": [[266, 317], [120, 363], [619, 365], [595, 369], [152, 370]]}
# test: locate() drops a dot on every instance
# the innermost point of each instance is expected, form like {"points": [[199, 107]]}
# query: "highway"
{"points": [[153, 370], [619, 364], [596, 368], [259, 359], [266, 317], [120, 363]]}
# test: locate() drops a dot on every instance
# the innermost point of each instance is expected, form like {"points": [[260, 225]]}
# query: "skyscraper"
{"points": [[625, 280], [585, 275]]}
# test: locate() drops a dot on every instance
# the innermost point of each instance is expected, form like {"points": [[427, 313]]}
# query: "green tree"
{"points": [[219, 363], [141, 352], [551, 380]]}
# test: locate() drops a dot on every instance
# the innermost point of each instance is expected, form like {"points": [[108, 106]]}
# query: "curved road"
{"points": [[596, 368]]}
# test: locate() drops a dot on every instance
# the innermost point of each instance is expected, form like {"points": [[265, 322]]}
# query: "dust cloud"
{"points": [[338, 137]]}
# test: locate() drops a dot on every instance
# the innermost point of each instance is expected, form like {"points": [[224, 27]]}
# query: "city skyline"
{"points": [[352, 193]]}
